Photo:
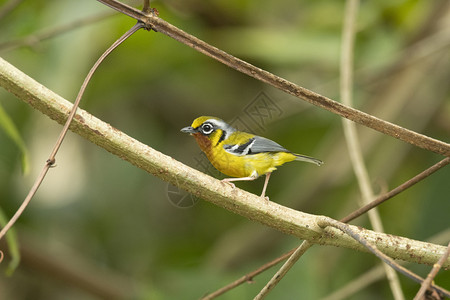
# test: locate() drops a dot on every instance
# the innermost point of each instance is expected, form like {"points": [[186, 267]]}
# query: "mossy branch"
{"points": [[279, 217]]}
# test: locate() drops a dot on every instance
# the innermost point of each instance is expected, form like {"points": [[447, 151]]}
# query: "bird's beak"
{"points": [[189, 130]]}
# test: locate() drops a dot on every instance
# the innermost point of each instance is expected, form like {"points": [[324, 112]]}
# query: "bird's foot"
{"points": [[228, 182]]}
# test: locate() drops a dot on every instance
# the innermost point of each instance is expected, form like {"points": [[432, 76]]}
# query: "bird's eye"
{"points": [[207, 128]]}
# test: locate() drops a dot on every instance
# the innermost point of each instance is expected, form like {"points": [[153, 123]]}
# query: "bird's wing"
{"points": [[254, 145], [265, 145]]}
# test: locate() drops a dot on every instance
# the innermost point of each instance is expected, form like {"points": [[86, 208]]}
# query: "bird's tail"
{"points": [[308, 159]]}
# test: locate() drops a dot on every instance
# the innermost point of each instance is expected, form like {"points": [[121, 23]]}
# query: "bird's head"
{"points": [[208, 131]]}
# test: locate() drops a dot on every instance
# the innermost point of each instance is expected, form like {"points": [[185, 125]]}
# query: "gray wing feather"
{"points": [[258, 144], [265, 145]]}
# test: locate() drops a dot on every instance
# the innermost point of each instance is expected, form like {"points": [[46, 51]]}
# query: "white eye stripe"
{"points": [[219, 124], [210, 125]]}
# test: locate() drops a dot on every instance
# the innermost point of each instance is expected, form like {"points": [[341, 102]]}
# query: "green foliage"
{"points": [[7, 125], [13, 246]]}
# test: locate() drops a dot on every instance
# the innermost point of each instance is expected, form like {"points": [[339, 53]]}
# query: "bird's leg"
{"points": [[249, 178], [263, 194]]}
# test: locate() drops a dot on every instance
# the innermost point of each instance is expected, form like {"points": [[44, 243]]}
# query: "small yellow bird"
{"points": [[239, 154]]}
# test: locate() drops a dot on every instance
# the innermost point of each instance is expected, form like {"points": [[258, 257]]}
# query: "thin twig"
{"points": [[283, 270], [428, 281], [375, 274], [146, 8], [419, 177], [351, 136], [248, 277], [392, 193], [406, 135], [51, 160], [325, 222], [127, 34]]}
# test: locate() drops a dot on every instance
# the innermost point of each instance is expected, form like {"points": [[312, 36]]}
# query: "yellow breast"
{"points": [[245, 165]]}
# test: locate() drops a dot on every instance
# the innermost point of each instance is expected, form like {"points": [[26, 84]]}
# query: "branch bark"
{"points": [[153, 22], [282, 218]]}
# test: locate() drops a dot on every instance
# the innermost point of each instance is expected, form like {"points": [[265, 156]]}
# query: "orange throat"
{"points": [[203, 142]]}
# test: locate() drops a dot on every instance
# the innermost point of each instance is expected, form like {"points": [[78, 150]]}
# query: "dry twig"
{"points": [[155, 23], [426, 284], [379, 200], [351, 137], [374, 274], [51, 160], [326, 222]]}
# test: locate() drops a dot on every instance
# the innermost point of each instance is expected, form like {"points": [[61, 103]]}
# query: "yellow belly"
{"points": [[244, 166]]}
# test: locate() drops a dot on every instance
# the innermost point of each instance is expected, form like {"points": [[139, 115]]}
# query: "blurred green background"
{"points": [[102, 228]]}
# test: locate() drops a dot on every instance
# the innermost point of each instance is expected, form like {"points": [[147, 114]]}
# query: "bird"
{"points": [[240, 155]]}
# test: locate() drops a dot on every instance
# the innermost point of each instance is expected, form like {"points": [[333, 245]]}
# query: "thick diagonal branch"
{"points": [[284, 219]]}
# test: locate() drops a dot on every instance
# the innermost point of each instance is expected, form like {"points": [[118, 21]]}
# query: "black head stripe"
{"points": [[222, 137]]}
